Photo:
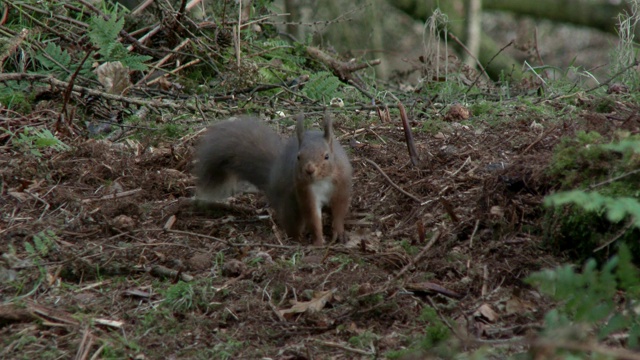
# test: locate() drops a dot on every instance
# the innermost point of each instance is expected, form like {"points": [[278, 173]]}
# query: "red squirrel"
{"points": [[301, 176]]}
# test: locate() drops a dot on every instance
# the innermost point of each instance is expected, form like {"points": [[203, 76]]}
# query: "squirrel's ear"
{"points": [[300, 127], [328, 130]]}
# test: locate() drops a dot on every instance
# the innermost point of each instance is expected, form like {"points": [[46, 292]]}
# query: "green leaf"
{"points": [[627, 274], [634, 336], [29, 248], [616, 323]]}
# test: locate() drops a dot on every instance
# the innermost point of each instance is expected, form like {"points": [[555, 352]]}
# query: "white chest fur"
{"points": [[322, 191]]}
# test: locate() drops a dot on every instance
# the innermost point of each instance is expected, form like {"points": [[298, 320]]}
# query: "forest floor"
{"points": [[106, 254], [125, 265]]}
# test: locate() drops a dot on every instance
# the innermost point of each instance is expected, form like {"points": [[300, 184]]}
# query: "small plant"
{"points": [[182, 296], [436, 330], [104, 34], [226, 350], [408, 247], [43, 242], [434, 340], [172, 131], [625, 53], [592, 302], [219, 260], [365, 340], [34, 140], [342, 260], [294, 260]]}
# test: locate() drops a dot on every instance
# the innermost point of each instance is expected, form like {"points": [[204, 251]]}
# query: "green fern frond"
{"points": [[269, 76], [57, 59], [587, 296], [624, 146], [130, 60], [322, 86], [29, 248], [103, 33], [616, 209], [36, 139]]}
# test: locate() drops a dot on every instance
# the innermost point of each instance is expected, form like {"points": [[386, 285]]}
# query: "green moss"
{"points": [[433, 126], [364, 340], [480, 108], [579, 159], [408, 248], [17, 101], [172, 130], [604, 105], [584, 161]]}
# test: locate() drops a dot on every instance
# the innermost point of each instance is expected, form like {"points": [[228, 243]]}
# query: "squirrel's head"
{"points": [[315, 151]]}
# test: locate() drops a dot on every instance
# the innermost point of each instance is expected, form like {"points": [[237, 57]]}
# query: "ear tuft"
{"points": [[328, 130]]}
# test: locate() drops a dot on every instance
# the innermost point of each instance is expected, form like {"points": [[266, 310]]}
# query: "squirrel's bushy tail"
{"points": [[233, 151]]}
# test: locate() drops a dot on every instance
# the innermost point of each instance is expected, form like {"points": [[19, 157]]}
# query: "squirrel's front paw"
{"points": [[341, 237], [317, 241]]}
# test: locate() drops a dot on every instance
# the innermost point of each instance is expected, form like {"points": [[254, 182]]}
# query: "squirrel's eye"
{"points": [[326, 156], [298, 156]]}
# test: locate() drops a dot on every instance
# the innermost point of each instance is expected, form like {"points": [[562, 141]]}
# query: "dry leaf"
{"points": [[318, 302], [497, 211], [487, 312], [114, 77], [515, 305]]}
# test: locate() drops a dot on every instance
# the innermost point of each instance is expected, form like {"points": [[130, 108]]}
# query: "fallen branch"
{"points": [[343, 70], [346, 348], [48, 79], [113, 196]]}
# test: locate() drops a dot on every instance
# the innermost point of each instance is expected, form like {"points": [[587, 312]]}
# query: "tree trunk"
{"points": [[474, 30]]}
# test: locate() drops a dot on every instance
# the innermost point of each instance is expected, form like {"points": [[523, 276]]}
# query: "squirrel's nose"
{"points": [[310, 169]]}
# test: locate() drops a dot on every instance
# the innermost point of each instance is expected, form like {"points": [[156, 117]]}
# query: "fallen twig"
{"points": [[391, 181], [618, 235], [416, 258]]}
